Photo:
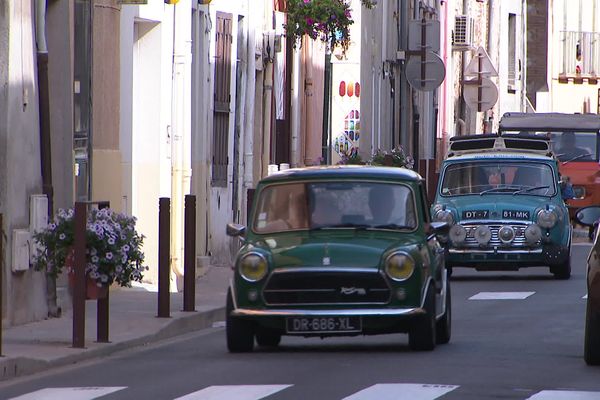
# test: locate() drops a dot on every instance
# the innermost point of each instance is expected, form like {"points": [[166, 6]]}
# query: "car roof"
{"points": [[501, 155], [344, 172], [549, 121]]}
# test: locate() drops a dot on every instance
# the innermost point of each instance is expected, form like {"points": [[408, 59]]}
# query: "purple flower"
{"points": [[310, 21], [109, 256]]}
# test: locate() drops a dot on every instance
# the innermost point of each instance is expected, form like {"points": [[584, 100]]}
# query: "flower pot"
{"points": [[92, 290]]}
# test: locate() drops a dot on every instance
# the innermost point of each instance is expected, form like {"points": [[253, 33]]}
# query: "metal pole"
{"points": [[1, 277], [79, 276], [102, 304], [189, 274], [164, 256]]}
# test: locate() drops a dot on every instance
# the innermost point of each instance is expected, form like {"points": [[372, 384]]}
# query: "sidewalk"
{"points": [[34, 347]]}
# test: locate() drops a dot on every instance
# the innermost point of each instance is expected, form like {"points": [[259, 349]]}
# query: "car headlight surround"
{"points": [[458, 234], [253, 266], [399, 266], [546, 218], [506, 234], [483, 234], [533, 234], [444, 216]]}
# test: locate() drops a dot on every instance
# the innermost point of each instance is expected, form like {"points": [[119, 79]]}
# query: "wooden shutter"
{"points": [[222, 98]]}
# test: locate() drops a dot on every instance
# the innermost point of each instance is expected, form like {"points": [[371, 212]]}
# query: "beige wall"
{"points": [[106, 175]]}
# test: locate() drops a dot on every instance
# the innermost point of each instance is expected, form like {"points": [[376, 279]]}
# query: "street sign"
{"points": [[425, 33], [481, 64], [480, 96], [425, 74]]}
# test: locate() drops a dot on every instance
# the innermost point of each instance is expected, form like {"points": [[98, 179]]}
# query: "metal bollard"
{"points": [[79, 273], [164, 257], [189, 269], [1, 281], [102, 305]]}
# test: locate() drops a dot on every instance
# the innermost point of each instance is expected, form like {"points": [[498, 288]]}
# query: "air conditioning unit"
{"points": [[463, 33]]}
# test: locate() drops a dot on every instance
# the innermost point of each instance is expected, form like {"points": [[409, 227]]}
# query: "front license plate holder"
{"points": [[323, 324]]}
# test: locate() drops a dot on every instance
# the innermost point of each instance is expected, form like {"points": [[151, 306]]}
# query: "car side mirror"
{"points": [[588, 216], [235, 230]]}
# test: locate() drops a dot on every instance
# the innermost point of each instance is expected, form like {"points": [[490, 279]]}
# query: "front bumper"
{"points": [[508, 258], [373, 321]]}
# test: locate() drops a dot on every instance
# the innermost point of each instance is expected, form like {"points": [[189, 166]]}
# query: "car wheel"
{"points": [[443, 328], [422, 335], [591, 348], [562, 271], [240, 332], [267, 337]]}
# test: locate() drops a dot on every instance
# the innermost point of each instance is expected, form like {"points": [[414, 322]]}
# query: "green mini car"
{"points": [[502, 197], [339, 251]]}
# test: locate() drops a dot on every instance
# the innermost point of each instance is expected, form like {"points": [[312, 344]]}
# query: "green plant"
{"points": [[325, 20], [113, 247], [351, 157], [393, 158]]}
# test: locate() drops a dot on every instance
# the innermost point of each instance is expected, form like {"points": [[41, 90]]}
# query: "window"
{"points": [[580, 53], [512, 51], [222, 99]]}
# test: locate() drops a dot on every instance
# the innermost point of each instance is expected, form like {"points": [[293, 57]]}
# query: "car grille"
{"points": [[518, 241], [325, 287]]}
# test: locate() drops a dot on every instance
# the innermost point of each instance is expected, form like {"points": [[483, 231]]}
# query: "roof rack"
{"points": [[519, 143]]}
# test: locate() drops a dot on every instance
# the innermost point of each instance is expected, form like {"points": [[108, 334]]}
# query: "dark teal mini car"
{"points": [[339, 251], [502, 197]]}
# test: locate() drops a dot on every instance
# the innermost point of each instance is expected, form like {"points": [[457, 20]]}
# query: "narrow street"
{"points": [[516, 335]]}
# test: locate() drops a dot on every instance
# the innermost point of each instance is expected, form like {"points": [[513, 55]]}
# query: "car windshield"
{"points": [[571, 145], [334, 205], [503, 177]]}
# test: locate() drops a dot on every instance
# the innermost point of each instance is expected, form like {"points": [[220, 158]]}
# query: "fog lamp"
{"points": [[483, 234], [533, 234]]}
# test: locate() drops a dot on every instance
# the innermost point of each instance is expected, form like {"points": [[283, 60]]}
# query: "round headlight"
{"points": [[483, 234], [444, 216], [458, 234], [533, 234], [546, 218], [399, 266], [506, 234], [253, 267]]}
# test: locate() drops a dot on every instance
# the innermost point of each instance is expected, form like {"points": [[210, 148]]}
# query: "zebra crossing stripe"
{"points": [[234, 392], [564, 395], [501, 295], [584, 297], [72, 393], [401, 391]]}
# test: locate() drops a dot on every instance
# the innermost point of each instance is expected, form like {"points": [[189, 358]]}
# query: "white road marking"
{"points": [[564, 395], [218, 324], [587, 244], [72, 393], [584, 297], [234, 392], [402, 391], [501, 295]]}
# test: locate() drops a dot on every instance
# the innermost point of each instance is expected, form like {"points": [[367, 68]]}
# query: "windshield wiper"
{"points": [[496, 189], [576, 157], [392, 226], [529, 189]]}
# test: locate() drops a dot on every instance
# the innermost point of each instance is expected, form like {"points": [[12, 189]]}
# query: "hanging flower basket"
{"points": [[325, 20]]}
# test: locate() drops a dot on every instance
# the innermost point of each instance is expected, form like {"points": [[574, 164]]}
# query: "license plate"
{"points": [[475, 214], [323, 324], [515, 214]]}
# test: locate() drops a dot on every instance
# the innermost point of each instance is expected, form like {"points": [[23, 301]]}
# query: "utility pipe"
{"points": [[248, 135], [296, 123], [267, 104], [45, 136]]}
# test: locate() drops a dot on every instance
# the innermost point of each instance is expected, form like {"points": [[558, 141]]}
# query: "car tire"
{"points": [[421, 336], [240, 332], [267, 337], [562, 271], [591, 347], [443, 328]]}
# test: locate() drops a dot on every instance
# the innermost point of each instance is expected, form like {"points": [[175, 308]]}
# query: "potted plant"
{"points": [[394, 158], [113, 247], [325, 20]]}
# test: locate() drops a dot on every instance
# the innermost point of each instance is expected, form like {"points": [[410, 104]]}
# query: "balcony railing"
{"points": [[580, 53]]}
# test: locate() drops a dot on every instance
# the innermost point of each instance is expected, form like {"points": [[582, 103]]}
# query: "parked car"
{"points": [[590, 216], [502, 197], [339, 251]]}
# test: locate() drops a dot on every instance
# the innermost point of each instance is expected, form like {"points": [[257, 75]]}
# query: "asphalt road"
{"points": [[516, 335]]}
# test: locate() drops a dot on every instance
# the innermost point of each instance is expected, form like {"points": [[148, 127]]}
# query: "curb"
{"points": [[22, 366]]}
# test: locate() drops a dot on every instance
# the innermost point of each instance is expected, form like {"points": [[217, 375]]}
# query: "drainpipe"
{"points": [[180, 127], [249, 121], [296, 123], [45, 137], [267, 101]]}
